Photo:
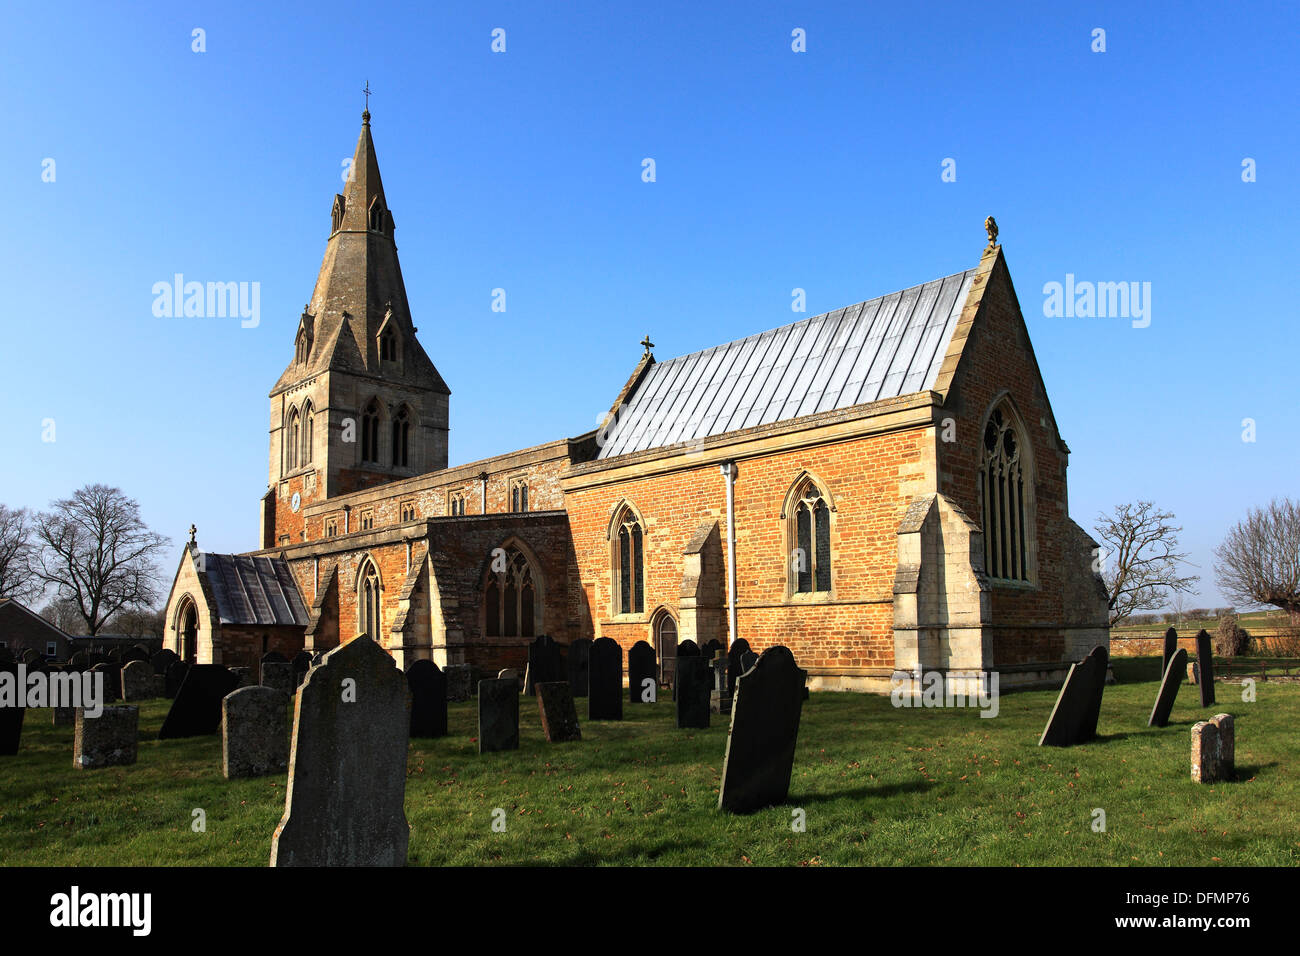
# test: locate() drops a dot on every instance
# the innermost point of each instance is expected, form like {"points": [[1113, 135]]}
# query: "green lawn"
{"points": [[879, 786]]}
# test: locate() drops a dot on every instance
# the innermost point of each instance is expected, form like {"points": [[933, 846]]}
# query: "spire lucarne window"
{"points": [[1002, 486]]}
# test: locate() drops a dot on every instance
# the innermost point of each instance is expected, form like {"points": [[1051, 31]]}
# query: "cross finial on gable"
{"points": [[193, 534], [991, 227], [647, 343]]}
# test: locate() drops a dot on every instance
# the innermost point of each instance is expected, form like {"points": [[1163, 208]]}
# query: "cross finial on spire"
{"points": [[366, 90], [647, 343]]}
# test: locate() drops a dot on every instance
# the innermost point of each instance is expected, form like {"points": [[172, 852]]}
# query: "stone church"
{"points": [[880, 488]]}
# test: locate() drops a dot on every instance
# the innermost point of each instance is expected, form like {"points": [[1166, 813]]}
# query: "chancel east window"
{"points": [[1003, 486], [510, 598], [628, 563], [810, 562]]}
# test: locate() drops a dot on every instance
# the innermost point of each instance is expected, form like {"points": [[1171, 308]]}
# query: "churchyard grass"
{"points": [[878, 786]]}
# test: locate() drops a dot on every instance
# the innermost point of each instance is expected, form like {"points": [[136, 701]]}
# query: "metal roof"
{"points": [[253, 590], [878, 349]]}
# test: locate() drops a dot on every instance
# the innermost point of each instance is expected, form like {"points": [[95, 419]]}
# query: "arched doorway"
{"points": [[188, 627], [664, 633]]}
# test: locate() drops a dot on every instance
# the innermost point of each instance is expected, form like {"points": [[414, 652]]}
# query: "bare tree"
{"points": [[1142, 561], [65, 615], [96, 551], [1259, 560], [137, 622], [18, 579]]}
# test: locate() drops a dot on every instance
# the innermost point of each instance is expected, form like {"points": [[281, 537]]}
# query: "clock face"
{"points": [[296, 502]]}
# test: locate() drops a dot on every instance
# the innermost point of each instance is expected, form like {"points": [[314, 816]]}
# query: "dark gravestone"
{"points": [[734, 663], [137, 681], [693, 686], [112, 680], [114, 656], [1171, 645], [245, 675], [345, 804], [279, 675], [197, 708], [579, 666], [606, 694], [11, 714], [162, 660], [642, 667], [80, 659], [1205, 658], [428, 686], [688, 648], [176, 672], [135, 653], [710, 649], [764, 729], [274, 657], [558, 713], [109, 740], [459, 684], [31, 656], [545, 663], [301, 665], [254, 732], [1074, 718], [1173, 677], [498, 715]]}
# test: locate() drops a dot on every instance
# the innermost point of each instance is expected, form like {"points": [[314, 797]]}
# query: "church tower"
{"points": [[360, 402]]}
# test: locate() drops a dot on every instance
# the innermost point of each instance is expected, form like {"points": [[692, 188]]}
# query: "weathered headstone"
{"points": [[544, 663], [115, 656], [559, 715], [1206, 752], [1205, 660], [162, 660], [279, 675], [1227, 744], [578, 663], [606, 693], [197, 708], [109, 740], [1193, 673], [254, 732], [274, 657], [1168, 689], [693, 687], [764, 730], [738, 647], [459, 686], [720, 693], [176, 672], [1078, 706], [245, 675], [688, 648], [137, 681], [498, 715], [136, 652], [112, 680], [642, 667], [11, 713], [428, 687], [509, 673], [1170, 646], [345, 804]]}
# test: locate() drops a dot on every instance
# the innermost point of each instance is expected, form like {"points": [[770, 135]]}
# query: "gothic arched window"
{"points": [[810, 538], [401, 438], [370, 433], [293, 441], [307, 424], [369, 613], [628, 563], [300, 354], [519, 495], [1003, 486], [510, 605], [388, 347]]}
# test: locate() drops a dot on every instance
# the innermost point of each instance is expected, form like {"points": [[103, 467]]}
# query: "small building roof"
{"points": [[882, 348], [252, 590]]}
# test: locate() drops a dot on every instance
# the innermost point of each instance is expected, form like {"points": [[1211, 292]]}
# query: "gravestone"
{"points": [[1074, 717], [693, 687], [1168, 689], [109, 740], [112, 680], [710, 649], [544, 663], [11, 717], [1193, 673], [1170, 646], [274, 657], [734, 663], [642, 667], [764, 730], [197, 708], [137, 652], [64, 716], [578, 663], [30, 656], [245, 675], [498, 715], [1227, 744], [162, 660], [137, 681], [428, 686], [301, 665], [509, 673], [1205, 661], [279, 675], [347, 769], [688, 648], [176, 672], [559, 715], [459, 685], [254, 732], [80, 660], [606, 694], [720, 692], [114, 656], [1208, 749]]}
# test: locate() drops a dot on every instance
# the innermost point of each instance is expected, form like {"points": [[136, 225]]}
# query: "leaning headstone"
{"points": [[112, 680], [642, 667], [557, 711], [428, 687], [279, 675], [254, 732], [498, 715], [693, 687], [137, 681], [176, 672], [109, 740], [459, 686], [1205, 660], [578, 663], [1170, 646], [1206, 751], [764, 730], [606, 693], [544, 663], [345, 804], [11, 716], [197, 708], [1168, 689], [162, 660], [1078, 706]]}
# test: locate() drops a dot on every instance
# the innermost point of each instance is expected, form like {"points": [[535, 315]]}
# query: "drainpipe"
{"points": [[729, 471], [347, 513], [483, 493]]}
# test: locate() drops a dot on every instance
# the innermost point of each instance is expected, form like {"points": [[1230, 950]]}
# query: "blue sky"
{"points": [[522, 170]]}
